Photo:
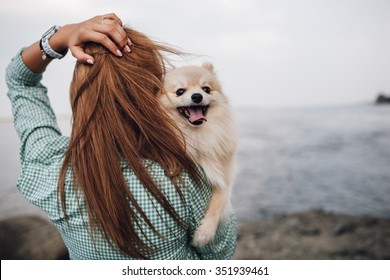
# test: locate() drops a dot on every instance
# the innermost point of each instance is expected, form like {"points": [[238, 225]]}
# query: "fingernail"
{"points": [[119, 53], [129, 41], [90, 61], [127, 48]]}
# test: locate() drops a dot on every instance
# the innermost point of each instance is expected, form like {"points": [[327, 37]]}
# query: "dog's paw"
{"points": [[205, 232]]}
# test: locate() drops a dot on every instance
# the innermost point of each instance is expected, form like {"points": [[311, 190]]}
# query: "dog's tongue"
{"points": [[196, 114]]}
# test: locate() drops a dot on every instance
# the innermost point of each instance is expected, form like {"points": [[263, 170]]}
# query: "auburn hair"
{"points": [[116, 116]]}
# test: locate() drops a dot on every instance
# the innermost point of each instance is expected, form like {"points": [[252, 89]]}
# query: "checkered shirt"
{"points": [[42, 147]]}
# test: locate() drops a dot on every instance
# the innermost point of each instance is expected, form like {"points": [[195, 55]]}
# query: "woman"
{"points": [[122, 185]]}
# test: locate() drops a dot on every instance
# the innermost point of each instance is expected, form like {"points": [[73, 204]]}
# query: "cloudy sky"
{"points": [[267, 53]]}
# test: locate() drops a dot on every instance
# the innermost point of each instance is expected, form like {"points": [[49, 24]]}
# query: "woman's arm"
{"points": [[223, 245], [34, 118]]}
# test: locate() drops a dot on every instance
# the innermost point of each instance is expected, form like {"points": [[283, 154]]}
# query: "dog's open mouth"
{"points": [[194, 114]]}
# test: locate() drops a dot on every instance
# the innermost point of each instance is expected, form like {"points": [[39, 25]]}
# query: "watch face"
{"points": [[50, 32]]}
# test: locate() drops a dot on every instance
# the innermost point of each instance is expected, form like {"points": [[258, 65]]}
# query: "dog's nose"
{"points": [[197, 97]]}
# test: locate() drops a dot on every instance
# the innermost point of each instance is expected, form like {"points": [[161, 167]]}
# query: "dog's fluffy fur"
{"points": [[195, 100]]}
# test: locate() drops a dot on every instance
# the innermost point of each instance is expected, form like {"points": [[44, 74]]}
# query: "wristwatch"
{"points": [[45, 47]]}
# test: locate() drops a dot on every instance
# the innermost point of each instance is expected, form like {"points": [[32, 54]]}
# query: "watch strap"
{"points": [[45, 47]]}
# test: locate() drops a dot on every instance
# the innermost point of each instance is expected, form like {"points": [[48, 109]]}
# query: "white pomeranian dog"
{"points": [[195, 100]]}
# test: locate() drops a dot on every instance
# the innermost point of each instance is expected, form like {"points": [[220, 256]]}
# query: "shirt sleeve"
{"points": [[222, 247], [34, 119], [41, 144]]}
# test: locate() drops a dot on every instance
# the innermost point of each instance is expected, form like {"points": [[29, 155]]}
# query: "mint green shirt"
{"points": [[42, 147]]}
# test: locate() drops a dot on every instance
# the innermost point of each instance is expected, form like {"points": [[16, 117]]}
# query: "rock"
{"points": [[309, 231], [369, 221], [351, 254], [30, 238], [342, 228], [382, 99]]}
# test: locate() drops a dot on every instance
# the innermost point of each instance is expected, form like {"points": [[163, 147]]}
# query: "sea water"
{"points": [[335, 159]]}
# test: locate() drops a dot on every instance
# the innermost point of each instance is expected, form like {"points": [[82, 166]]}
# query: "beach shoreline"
{"points": [[308, 235]]}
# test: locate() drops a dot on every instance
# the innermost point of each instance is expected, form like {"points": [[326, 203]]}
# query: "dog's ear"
{"points": [[168, 69], [208, 66]]}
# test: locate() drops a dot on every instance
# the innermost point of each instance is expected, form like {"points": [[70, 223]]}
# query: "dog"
{"points": [[194, 99]]}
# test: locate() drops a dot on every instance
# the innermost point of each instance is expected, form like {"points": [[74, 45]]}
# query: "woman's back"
{"points": [[122, 185]]}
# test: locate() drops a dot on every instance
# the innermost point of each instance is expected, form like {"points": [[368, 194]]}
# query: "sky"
{"points": [[280, 53]]}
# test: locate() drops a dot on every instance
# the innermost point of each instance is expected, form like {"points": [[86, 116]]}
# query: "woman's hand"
{"points": [[105, 29]]}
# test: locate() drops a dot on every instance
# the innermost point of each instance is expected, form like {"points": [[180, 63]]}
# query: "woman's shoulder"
{"points": [[191, 189], [187, 195]]}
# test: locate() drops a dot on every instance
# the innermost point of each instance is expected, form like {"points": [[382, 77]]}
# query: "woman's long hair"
{"points": [[116, 116]]}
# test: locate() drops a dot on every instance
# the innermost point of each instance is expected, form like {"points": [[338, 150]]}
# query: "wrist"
{"points": [[59, 40]]}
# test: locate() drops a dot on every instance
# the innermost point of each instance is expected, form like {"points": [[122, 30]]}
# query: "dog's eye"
{"points": [[206, 89], [180, 91]]}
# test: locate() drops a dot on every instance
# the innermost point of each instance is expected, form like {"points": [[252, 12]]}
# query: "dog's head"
{"points": [[192, 93]]}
